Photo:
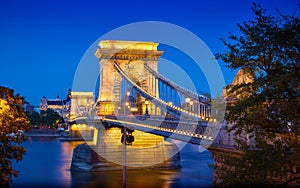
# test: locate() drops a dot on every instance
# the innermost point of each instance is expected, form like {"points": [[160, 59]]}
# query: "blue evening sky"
{"points": [[42, 41]]}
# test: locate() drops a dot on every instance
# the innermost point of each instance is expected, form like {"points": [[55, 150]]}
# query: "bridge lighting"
{"points": [[133, 109], [147, 112], [127, 93], [187, 100], [170, 103]]}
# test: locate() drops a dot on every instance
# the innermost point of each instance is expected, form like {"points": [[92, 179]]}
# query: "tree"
{"points": [[12, 119], [45, 118], [49, 117], [34, 118], [268, 107]]}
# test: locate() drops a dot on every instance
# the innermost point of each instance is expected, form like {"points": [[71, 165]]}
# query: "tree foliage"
{"points": [[49, 117], [268, 108], [12, 119], [44, 118], [34, 118]]}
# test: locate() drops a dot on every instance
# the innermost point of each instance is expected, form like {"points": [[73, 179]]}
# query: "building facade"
{"points": [[62, 107]]}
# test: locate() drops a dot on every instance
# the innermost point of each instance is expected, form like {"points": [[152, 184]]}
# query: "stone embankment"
{"points": [[43, 132]]}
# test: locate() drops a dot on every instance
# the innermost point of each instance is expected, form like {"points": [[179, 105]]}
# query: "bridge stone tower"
{"points": [[130, 56]]}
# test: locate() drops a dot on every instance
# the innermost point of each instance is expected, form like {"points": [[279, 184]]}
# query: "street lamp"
{"points": [[147, 103], [187, 101], [191, 104]]}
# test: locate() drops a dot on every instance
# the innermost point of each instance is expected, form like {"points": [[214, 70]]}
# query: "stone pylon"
{"points": [[131, 57]]}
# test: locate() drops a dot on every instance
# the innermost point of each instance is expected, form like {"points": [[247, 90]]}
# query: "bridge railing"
{"points": [[187, 128]]}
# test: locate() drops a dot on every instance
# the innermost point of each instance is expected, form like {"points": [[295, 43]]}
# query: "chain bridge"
{"points": [[140, 108]]}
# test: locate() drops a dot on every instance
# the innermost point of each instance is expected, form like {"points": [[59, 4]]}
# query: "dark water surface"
{"points": [[47, 164]]}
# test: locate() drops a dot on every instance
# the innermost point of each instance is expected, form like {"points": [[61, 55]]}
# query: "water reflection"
{"points": [[47, 164], [135, 179], [67, 151]]}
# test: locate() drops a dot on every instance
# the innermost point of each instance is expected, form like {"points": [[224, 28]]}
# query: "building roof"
{"points": [[55, 102]]}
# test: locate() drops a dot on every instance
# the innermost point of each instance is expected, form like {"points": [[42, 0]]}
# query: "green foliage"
{"points": [[12, 119], [44, 118], [34, 118], [49, 117], [269, 108]]}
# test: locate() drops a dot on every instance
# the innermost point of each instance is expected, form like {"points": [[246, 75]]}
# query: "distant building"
{"points": [[28, 107], [241, 77], [62, 107]]}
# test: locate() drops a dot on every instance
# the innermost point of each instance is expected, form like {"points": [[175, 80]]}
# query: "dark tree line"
{"points": [[44, 118], [268, 108]]}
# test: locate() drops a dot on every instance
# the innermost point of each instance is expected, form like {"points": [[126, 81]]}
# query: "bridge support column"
{"points": [[147, 151], [131, 57]]}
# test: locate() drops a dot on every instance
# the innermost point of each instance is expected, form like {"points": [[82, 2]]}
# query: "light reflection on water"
{"points": [[47, 163]]}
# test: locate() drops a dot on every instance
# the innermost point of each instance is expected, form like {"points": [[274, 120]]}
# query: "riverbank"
{"points": [[43, 132], [68, 139], [53, 133]]}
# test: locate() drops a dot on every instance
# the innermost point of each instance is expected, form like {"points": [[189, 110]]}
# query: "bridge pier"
{"points": [[147, 151]]}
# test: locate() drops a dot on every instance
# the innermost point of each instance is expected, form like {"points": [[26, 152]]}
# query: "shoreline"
{"points": [[42, 135], [53, 134]]}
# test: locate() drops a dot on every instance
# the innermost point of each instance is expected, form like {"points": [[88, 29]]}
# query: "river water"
{"points": [[47, 164]]}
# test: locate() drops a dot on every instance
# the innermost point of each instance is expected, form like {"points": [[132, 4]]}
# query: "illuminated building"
{"points": [[62, 107]]}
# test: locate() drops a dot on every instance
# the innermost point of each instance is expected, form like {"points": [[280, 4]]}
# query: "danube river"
{"points": [[47, 164]]}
